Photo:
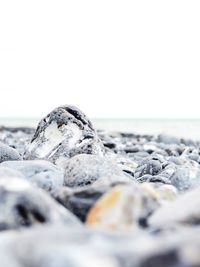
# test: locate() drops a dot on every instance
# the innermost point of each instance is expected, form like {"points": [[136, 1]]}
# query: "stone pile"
{"points": [[74, 196]]}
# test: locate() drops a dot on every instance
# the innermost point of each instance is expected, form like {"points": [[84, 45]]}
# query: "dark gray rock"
{"points": [[83, 169], [63, 133], [79, 200], [8, 153], [154, 179], [23, 205], [40, 172]]}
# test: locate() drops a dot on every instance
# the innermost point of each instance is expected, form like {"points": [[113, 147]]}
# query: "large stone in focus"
{"points": [[43, 173], [82, 170], [63, 133], [23, 205], [8, 153]]}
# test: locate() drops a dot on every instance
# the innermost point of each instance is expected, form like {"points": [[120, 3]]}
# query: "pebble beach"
{"points": [[75, 195]]}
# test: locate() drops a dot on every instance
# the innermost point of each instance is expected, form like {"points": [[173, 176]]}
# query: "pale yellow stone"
{"points": [[121, 208]]}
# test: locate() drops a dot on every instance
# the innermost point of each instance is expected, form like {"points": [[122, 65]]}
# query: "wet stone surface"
{"points": [[82, 197]]}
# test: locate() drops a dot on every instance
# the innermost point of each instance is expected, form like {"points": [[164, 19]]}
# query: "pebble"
{"points": [[82, 170], [151, 167], [183, 210], [8, 153], [185, 177], [42, 173], [79, 200], [168, 139], [23, 205], [123, 207]]}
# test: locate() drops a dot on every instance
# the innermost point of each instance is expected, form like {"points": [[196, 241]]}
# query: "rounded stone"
{"points": [[168, 139], [79, 200], [183, 210], [6, 172], [8, 153], [186, 177], [82, 170], [152, 167], [23, 205], [43, 173], [124, 207]]}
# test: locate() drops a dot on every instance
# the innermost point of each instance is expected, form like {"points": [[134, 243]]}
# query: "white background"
{"points": [[110, 58]]}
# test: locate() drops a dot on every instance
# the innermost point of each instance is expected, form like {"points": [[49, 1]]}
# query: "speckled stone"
{"points": [[82, 170], [8, 153], [63, 133]]}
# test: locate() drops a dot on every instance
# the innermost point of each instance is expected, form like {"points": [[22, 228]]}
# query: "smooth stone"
{"points": [[23, 205], [6, 172], [183, 210], [168, 139], [82, 170], [186, 177], [43, 173], [63, 133], [165, 192], [124, 207], [55, 246], [154, 179], [79, 200], [126, 164], [8, 153]]}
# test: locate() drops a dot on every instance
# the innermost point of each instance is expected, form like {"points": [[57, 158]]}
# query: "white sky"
{"points": [[109, 58]]}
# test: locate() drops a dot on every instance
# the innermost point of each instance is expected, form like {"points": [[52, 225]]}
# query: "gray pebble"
{"points": [[23, 205], [83, 169], [40, 172], [168, 139], [151, 167], [8, 153]]}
